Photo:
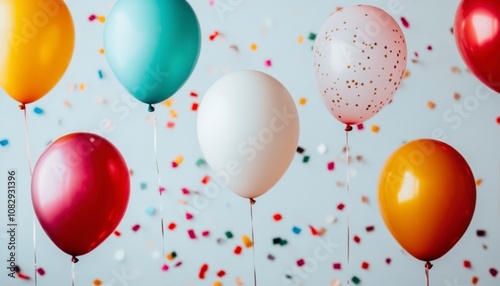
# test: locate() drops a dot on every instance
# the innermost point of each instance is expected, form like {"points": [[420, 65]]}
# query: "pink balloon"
{"points": [[359, 62], [80, 191]]}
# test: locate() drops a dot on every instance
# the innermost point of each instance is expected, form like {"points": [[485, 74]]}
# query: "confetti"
{"points": [[296, 230], [172, 255], [277, 217], [164, 267], [429, 48], [205, 233], [191, 234], [92, 17], [101, 19], [300, 39], [4, 142], [305, 159], [479, 182], [330, 219], [340, 206], [247, 241], [150, 211], [194, 106], [300, 262], [498, 119], [229, 234], [173, 113], [337, 266], [300, 150], [331, 166], [268, 63], [136, 227], [205, 180], [170, 125], [475, 280], [375, 128], [321, 149], [355, 280], [481, 233], [193, 94], [38, 110], [203, 271], [172, 226], [271, 257], [97, 282], [117, 233], [431, 105], [493, 272], [312, 36], [40, 271], [221, 273], [189, 216], [101, 51], [302, 101], [237, 250], [360, 126], [405, 22], [388, 261], [357, 239], [213, 35], [370, 228], [217, 283], [200, 162], [253, 47], [467, 264], [365, 265], [99, 73]]}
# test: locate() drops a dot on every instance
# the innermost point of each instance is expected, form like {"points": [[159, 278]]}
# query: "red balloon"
{"points": [[477, 35], [80, 191]]}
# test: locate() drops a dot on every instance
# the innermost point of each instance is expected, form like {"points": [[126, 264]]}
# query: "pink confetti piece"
{"points": [[429, 48], [360, 126], [40, 271], [136, 227], [164, 267], [301, 262], [205, 233], [161, 190], [178, 264], [405, 22], [340, 206], [268, 63], [191, 234], [185, 191], [388, 261], [331, 166], [170, 124], [337, 266], [92, 17], [189, 216]]}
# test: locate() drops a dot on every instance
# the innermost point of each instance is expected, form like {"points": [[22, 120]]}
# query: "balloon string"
{"points": [[428, 266], [73, 273], [252, 202], [155, 139], [28, 153], [347, 130]]}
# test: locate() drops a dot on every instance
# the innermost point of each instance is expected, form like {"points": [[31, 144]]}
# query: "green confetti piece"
{"points": [[355, 280], [229, 234], [306, 159], [283, 242], [201, 162], [312, 36]]}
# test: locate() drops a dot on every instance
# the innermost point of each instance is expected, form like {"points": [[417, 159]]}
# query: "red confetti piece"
{"points": [[205, 180], [191, 234], [203, 271], [170, 125], [164, 267], [388, 260], [357, 239], [205, 233], [475, 279], [40, 271], [370, 228], [189, 216], [365, 265], [194, 107], [92, 17], [237, 250], [185, 191], [23, 276], [136, 227], [313, 230], [340, 206], [337, 266], [161, 190], [221, 273], [172, 226], [498, 119], [277, 217], [331, 166], [360, 126], [214, 35], [174, 165], [117, 233], [429, 48], [493, 272], [405, 22], [467, 264], [193, 94], [301, 262], [178, 264]]}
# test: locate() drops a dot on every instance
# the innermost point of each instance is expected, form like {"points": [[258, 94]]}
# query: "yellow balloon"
{"points": [[37, 38]]}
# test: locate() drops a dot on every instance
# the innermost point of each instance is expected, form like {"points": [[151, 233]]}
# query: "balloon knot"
{"points": [[74, 259], [22, 106], [252, 202], [151, 108], [348, 128], [428, 265]]}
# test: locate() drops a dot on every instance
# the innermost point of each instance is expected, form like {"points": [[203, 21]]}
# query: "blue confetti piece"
{"points": [[296, 230], [38, 110], [150, 210], [99, 72], [144, 186], [4, 142]]}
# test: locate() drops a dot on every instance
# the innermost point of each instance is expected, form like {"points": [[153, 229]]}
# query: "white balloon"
{"points": [[359, 62], [248, 130]]}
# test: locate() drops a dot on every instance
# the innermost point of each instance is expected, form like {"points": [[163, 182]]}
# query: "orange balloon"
{"points": [[36, 45], [427, 196]]}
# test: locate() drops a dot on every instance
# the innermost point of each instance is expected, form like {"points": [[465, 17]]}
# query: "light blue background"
{"points": [[306, 195]]}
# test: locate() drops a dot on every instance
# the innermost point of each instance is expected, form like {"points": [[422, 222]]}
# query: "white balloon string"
{"points": [[73, 273], [28, 153], [159, 183], [348, 129], [252, 202], [428, 266]]}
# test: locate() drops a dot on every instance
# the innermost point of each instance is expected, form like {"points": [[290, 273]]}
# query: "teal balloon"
{"points": [[152, 46]]}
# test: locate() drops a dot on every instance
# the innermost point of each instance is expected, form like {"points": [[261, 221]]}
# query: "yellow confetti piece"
{"points": [[375, 129], [82, 86], [178, 160], [406, 74], [217, 283], [300, 39], [97, 282], [431, 105], [173, 113], [302, 101], [168, 102], [170, 256], [101, 51], [253, 47], [101, 19], [479, 182], [247, 241]]}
